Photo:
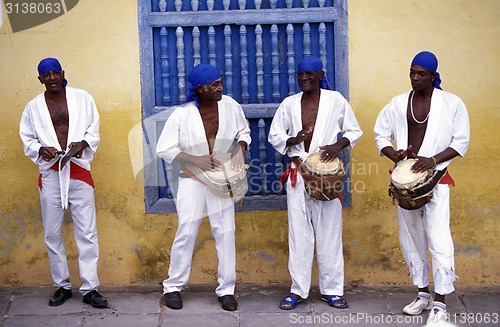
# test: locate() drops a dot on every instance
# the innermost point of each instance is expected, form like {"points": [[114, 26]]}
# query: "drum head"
{"points": [[225, 183], [325, 168], [403, 175]]}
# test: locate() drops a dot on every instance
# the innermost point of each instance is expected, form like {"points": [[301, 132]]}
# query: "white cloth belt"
{"points": [[64, 176]]}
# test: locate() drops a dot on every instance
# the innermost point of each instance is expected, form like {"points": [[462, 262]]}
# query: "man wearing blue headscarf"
{"points": [[72, 114], [210, 123], [430, 125], [306, 123]]}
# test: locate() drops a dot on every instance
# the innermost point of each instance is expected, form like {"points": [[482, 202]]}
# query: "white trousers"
{"points": [[313, 222], [428, 228], [193, 198], [82, 206]]}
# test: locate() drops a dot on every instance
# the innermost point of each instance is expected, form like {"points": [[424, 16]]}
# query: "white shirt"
{"points": [[335, 116], [37, 130], [448, 125], [184, 130]]}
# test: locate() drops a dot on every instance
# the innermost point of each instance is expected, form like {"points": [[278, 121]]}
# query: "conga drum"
{"points": [[326, 178], [225, 183], [412, 190]]}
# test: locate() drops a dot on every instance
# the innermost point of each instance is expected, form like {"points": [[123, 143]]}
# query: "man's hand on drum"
{"points": [[207, 162], [301, 136], [330, 152], [423, 164], [237, 157]]}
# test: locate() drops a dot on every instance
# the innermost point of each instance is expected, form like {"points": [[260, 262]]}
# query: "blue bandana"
{"points": [[428, 60], [201, 75], [49, 64], [315, 64]]}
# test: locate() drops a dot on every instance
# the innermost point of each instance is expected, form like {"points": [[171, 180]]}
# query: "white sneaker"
{"points": [[437, 316], [418, 305]]}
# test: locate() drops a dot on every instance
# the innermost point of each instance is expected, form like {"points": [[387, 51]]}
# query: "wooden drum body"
{"points": [[412, 190], [323, 180]]}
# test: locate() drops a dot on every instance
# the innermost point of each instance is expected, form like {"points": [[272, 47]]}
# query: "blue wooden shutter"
{"points": [[256, 46]]}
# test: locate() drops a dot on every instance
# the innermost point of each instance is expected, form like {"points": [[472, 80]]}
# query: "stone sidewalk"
{"points": [[258, 306]]}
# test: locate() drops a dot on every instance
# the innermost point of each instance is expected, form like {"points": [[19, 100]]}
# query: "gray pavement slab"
{"points": [[37, 304], [43, 320], [477, 302], [359, 302], [453, 304], [265, 302], [285, 318], [116, 320], [4, 299], [130, 303], [397, 300], [203, 320]]}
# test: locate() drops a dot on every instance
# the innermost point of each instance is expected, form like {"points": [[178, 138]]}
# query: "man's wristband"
{"points": [[434, 159]]}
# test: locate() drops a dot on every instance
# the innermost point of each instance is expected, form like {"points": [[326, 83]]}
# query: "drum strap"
{"points": [[431, 184], [227, 182], [190, 174]]}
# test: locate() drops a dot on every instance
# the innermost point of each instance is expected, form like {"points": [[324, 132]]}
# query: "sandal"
{"points": [[333, 301], [292, 300]]}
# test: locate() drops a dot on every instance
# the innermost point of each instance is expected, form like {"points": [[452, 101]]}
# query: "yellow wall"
{"points": [[97, 43]]}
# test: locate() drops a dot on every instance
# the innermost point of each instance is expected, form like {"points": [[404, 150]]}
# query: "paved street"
{"points": [[258, 306]]}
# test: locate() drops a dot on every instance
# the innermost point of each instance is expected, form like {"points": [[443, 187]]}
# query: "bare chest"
{"points": [[309, 113], [418, 110], [210, 120], [417, 116], [58, 113], [211, 124]]}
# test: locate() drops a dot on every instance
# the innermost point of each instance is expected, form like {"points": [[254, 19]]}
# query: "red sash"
{"points": [[447, 179], [292, 172], [76, 172]]}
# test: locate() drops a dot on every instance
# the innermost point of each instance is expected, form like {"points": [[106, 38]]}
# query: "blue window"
{"points": [[256, 46]]}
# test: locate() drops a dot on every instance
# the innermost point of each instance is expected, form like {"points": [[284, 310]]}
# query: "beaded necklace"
{"points": [[413, 115]]}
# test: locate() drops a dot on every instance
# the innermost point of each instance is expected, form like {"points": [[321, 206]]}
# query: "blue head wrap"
{"points": [[48, 64], [428, 60], [314, 63], [201, 75]]}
